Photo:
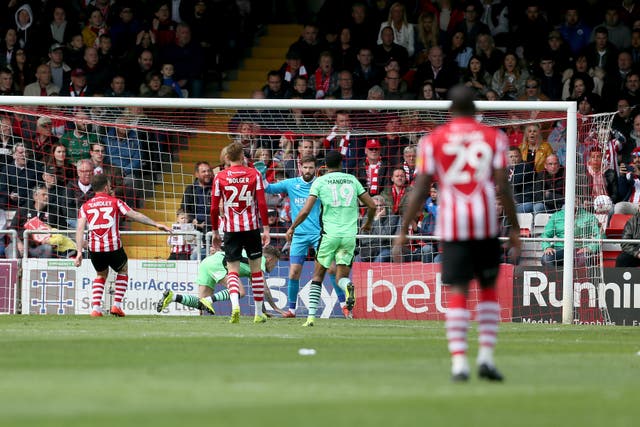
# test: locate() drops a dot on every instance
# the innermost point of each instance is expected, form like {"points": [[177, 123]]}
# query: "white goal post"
{"points": [[564, 110]]}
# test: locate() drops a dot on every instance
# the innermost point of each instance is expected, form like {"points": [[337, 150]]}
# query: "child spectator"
{"points": [[181, 245], [167, 79]]}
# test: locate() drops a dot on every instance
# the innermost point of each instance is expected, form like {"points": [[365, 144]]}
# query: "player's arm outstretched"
{"points": [[415, 203], [143, 219], [302, 215]]}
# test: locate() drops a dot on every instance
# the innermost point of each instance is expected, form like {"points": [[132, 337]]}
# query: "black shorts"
{"points": [[114, 259], [463, 261], [234, 243]]}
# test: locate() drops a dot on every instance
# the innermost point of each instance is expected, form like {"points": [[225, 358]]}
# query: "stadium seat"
{"points": [[539, 222], [616, 225], [525, 220], [610, 252]]}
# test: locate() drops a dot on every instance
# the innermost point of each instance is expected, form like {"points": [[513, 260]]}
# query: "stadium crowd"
{"points": [[587, 52]]}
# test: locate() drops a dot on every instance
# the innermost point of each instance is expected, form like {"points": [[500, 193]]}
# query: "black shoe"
{"points": [[461, 377], [489, 373]]}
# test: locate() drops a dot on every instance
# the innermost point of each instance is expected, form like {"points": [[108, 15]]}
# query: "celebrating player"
{"points": [[469, 161], [338, 193], [241, 191], [102, 215], [212, 271], [307, 235]]}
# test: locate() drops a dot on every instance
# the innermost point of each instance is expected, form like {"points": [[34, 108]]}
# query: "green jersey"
{"points": [[338, 193], [78, 147]]}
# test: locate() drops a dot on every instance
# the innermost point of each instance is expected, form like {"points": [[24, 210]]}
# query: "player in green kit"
{"points": [[212, 271], [338, 193]]}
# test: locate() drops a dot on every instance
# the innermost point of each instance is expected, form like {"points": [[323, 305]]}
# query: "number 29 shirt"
{"points": [[462, 156]]}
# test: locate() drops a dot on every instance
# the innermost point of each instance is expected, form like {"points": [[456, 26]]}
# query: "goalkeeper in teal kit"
{"points": [[212, 271], [307, 235]]}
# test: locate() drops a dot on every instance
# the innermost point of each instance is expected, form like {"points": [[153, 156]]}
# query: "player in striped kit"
{"points": [[469, 160], [241, 191], [102, 215]]}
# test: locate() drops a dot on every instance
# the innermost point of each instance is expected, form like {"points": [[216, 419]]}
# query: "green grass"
{"points": [[168, 371]]}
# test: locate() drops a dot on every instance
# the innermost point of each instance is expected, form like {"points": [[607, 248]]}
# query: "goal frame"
{"points": [[567, 107]]}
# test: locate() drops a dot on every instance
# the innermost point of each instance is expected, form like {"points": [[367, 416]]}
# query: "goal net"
{"points": [[152, 151]]}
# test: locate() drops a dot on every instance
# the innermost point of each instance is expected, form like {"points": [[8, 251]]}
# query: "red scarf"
{"points": [[397, 198], [322, 84], [72, 91], [372, 177], [344, 144], [408, 174], [288, 75]]}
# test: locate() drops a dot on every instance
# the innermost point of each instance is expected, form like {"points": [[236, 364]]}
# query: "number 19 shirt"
{"points": [[103, 213], [462, 156]]}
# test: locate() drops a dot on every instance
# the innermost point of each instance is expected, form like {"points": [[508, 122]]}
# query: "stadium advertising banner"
{"points": [[8, 279], [537, 297], [414, 291], [55, 286]]}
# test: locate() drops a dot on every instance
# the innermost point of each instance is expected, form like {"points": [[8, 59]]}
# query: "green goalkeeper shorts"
{"points": [[211, 270], [340, 249]]}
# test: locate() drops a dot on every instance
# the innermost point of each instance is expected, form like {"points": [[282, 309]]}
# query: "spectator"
{"points": [[105, 52], [630, 255], [372, 172], [623, 123], [96, 26], [308, 46], [495, 15], [301, 88], [397, 192], [345, 86], [363, 28], [292, 69], [557, 50], [459, 53], [293, 167], [59, 29], [586, 226], [619, 33], [181, 245], [167, 71], [18, 178], [8, 47], [631, 88], [6, 82], [78, 190], [123, 151], [471, 26], [429, 35], [38, 214], [324, 80], [277, 226], [532, 91], [7, 140], [97, 75], [533, 149], [26, 31], [162, 26], [574, 31], [634, 50], [395, 88], [124, 31], [629, 186], [340, 139], [600, 182], [509, 80], [428, 92], [60, 71], [601, 53], [78, 141], [78, 85], [521, 177], [118, 87], [153, 87], [75, 52], [476, 77], [43, 85], [550, 185], [491, 57], [533, 28], [43, 140], [365, 74], [409, 163], [274, 88], [196, 199], [428, 249], [137, 74], [22, 70], [344, 53], [112, 172], [378, 249], [550, 79], [387, 49], [442, 76], [403, 34], [63, 169], [187, 58]]}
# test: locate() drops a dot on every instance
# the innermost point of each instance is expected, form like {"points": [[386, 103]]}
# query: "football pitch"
{"points": [[181, 371]]}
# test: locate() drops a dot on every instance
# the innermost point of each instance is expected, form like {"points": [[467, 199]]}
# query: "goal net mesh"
{"points": [[153, 153]]}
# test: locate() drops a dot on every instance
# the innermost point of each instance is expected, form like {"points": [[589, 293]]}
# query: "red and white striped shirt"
{"points": [[242, 193], [103, 213], [462, 155]]}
